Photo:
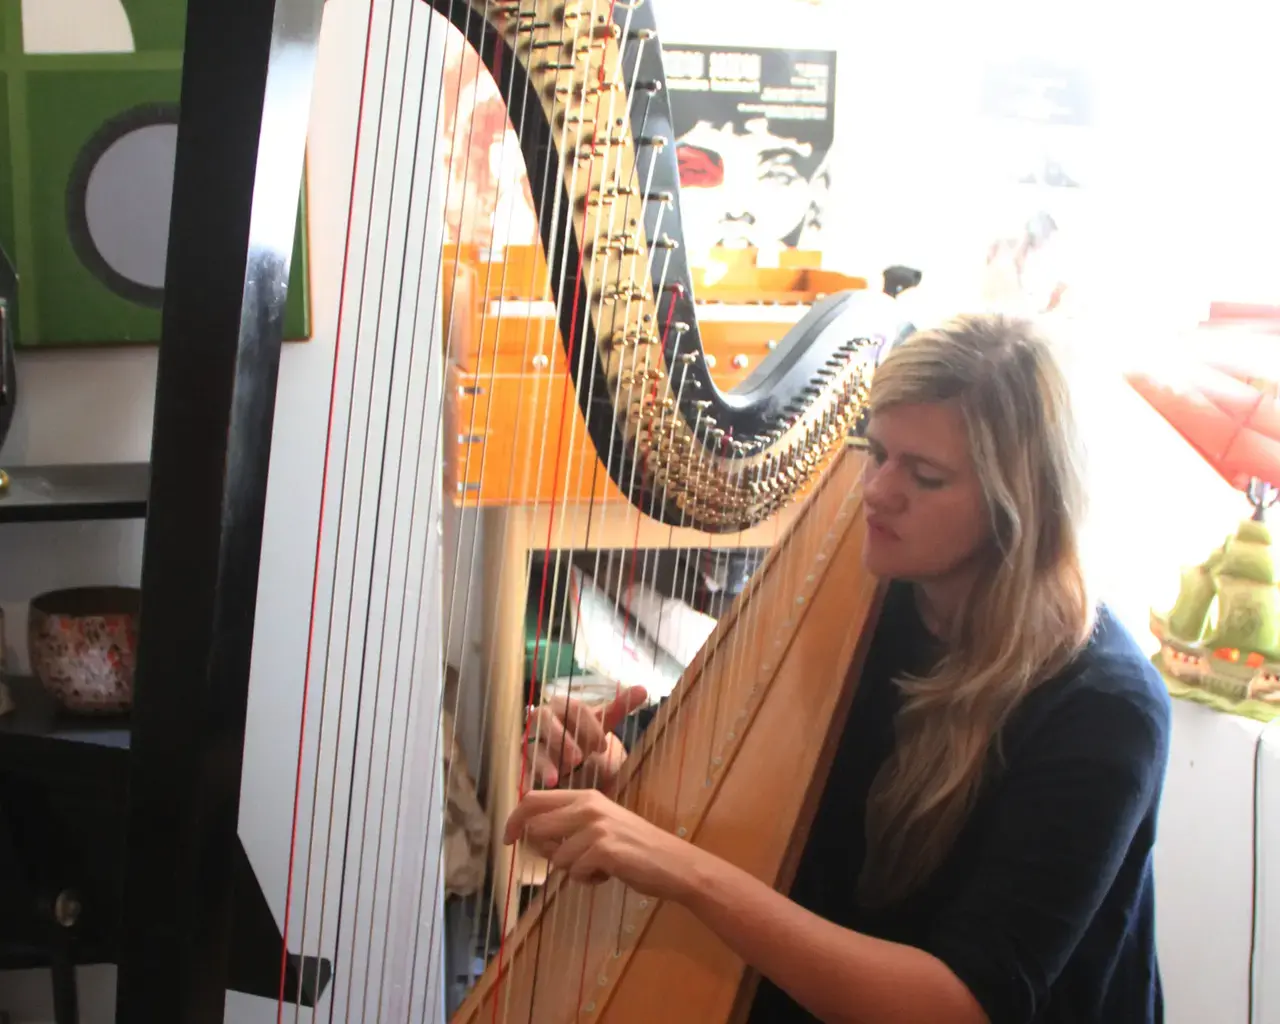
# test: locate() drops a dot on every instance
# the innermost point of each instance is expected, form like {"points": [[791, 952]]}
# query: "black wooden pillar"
{"points": [[246, 93]]}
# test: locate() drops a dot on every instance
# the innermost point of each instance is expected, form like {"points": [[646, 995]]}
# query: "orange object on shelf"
{"points": [[514, 433]]}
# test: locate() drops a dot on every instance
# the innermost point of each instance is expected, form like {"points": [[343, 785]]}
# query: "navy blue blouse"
{"points": [[1045, 906]]}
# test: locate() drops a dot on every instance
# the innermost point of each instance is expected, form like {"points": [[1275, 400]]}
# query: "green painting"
{"points": [[89, 95]]}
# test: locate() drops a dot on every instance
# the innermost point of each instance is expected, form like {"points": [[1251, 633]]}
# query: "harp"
{"points": [[665, 452]]}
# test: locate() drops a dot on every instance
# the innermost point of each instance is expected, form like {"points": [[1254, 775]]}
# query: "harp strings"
{"points": [[379, 806], [484, 922], [437, 721], [577, 343], [808, 541], [315, 578], [649, 558], [735, 656], [644, 379], [395, 335], [728, 669], [531, 435], [568, 606], [804, 538], [470, 561], [436, 887], [341, 515], [554, 189], [542, 448]]}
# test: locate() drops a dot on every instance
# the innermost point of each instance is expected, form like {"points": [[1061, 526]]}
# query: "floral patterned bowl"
{"points": [[83, 645]]}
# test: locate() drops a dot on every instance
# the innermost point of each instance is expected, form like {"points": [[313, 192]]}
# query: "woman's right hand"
{"points": [[573, 744]]}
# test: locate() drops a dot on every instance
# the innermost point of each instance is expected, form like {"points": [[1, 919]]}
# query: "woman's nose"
{"points": [[880, 491]]}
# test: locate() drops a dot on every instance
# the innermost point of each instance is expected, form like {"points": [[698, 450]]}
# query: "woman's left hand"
{"points": [[586, 834]]}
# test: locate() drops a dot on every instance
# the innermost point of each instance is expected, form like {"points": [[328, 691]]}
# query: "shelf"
{"points": [[38, 737], [75, 492], [63, 818]]}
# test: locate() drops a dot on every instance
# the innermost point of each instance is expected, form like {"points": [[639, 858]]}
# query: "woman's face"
{"points": [[927, 517]]}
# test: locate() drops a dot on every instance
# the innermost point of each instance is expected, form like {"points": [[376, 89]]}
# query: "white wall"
{"points": [[1267, 953], [1204, 866]]}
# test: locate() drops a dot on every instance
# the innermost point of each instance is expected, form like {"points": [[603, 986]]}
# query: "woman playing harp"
{"points": [[983, 847]]}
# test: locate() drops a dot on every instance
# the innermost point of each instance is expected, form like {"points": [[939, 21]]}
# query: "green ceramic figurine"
{"points": [[1220, 643]]}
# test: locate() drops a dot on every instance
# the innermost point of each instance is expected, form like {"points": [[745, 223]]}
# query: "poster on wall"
{"points": [[487, 199], [89, 93], [1038, 118], [754, 129]]}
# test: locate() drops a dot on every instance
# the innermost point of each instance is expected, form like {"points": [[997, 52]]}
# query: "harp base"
{"points": [[63, 801]]}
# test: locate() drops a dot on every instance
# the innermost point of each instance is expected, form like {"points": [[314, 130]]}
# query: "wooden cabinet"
{"points": [[514, 433]]}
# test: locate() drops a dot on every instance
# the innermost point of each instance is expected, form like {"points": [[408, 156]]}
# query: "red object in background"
{"points": [[1264, 319], [699, 168], [1227, 406]]}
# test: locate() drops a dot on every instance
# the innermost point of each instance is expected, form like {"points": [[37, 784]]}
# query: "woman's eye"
{"points": [[929, 483]]}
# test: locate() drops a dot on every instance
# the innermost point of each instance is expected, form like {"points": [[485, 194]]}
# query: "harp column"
{"points": [[246, 93]]}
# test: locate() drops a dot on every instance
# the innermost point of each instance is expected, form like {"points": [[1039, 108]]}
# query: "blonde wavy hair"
{"points": [[1029, 612]]}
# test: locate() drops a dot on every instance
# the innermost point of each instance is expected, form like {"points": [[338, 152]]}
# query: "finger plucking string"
{"points": [[559, 744]]}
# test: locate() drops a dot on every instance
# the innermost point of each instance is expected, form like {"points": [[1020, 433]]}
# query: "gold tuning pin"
{"points": [[619, 241], [587, 88], [598, 147], [628, 380], [630, 292], [633, 338], [601, 37]]}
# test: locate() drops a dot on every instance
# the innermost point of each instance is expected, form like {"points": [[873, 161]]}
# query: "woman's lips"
{"points": [[879, 529]]}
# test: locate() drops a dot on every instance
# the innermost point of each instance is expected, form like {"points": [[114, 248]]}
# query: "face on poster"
{"points": [[754, 129]]}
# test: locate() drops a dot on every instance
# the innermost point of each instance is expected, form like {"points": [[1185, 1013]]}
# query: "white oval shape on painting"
{"points": [[127, 203], [76, 26]]}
